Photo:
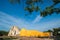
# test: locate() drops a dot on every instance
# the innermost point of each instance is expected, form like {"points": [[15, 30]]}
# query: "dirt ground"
{"points": [[33, 38], [25, 38]]}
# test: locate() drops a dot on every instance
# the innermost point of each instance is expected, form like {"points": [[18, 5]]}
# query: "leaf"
{"points": [[37, 8], [44, 13], [56, 1], [11, 1], [29, 2], [18, 1]]}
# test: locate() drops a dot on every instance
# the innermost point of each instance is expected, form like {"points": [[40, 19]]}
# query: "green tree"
{"points": [[3, 33], [56, 31], [48, 31], [33, 5]]}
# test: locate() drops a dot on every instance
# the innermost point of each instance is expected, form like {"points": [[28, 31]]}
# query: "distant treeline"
{"points": [[3, 33], [55, 31]]}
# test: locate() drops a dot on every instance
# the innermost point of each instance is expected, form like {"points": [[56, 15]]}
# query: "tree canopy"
{"points": [[33, 5]]}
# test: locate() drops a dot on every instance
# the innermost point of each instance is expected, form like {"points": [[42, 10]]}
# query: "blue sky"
{"points": [[14, 15]]}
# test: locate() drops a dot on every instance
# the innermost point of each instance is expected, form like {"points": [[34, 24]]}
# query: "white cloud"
{"points": [[37, 19], [7, 21], [44, 26]]}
